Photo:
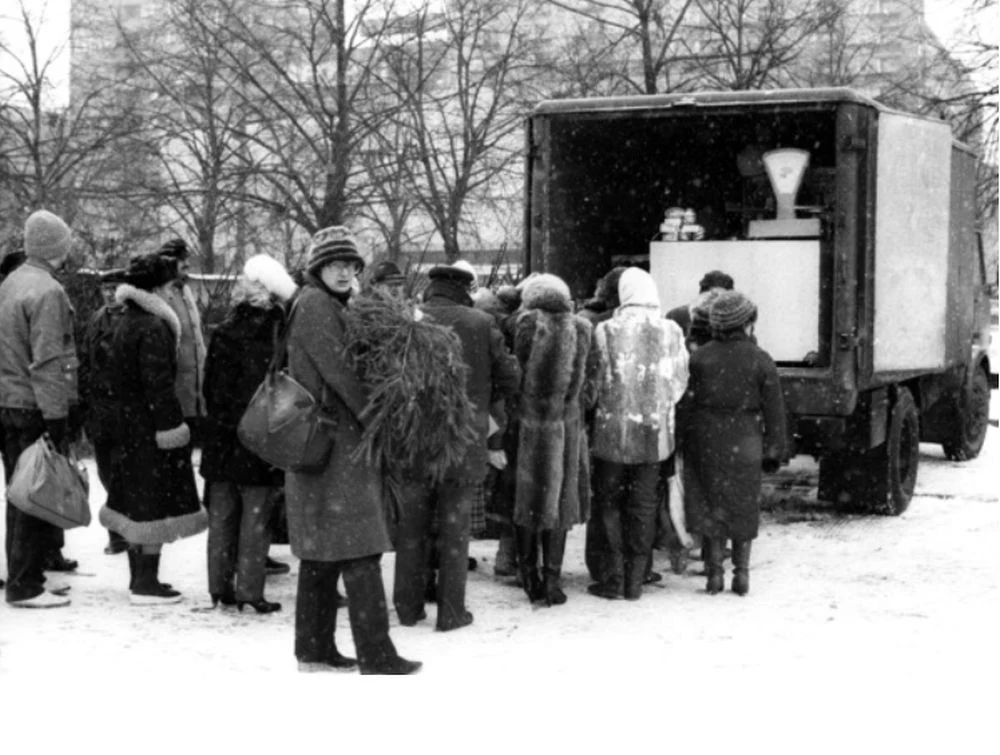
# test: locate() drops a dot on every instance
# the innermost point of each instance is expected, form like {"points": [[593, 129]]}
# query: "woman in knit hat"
{"points": [[733, 426], [336, 517], [153, 499], [241, 487]]}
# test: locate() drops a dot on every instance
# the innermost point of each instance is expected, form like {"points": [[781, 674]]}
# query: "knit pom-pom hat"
{"points": [[731, 310], [336, 243]]}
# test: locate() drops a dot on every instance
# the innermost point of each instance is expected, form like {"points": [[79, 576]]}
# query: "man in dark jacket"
{"points": [[38, 384], [493, 374]]}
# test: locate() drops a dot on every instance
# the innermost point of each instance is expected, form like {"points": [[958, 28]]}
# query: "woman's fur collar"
{"points": [[152, 303]]}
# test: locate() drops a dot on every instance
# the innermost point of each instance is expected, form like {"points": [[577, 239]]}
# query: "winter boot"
{"points": [[527, 563], [741, 566], [146, 588], [133, 554], [714, 557], [553, 549]]}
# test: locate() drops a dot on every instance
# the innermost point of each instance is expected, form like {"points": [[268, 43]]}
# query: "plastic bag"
{"points": [[50, 486]]}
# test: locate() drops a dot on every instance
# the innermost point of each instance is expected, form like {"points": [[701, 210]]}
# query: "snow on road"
{"points": [[837, 602]]}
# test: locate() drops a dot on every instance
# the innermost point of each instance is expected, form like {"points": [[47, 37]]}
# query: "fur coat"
{"points": [[152, 497], [552, 345], [638, 372]]}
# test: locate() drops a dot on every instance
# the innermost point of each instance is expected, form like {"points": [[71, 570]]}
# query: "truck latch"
{"points": [[847, 341]]}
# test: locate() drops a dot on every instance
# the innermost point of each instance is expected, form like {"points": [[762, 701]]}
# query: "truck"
{"points": [[851, 225]]}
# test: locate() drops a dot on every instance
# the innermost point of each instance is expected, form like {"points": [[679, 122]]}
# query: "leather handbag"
{"points": [[284, 424], [51, 486]]}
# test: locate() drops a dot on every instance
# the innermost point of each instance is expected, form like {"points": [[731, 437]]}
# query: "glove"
{"points": [[58, 432], [770, 466]]}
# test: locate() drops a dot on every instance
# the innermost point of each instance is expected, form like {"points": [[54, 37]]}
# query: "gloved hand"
{"points": [[58, 432], [770, 466]]}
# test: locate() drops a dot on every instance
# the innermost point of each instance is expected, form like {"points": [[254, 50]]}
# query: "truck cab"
{"points": [[850, 225]]}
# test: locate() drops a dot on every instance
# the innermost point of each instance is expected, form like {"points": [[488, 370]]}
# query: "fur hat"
{"points": [[271, 274], [731, 310], [46, 237], [715, 279], [175, 248], [636, 288], [509, 297], [451, 273], [700, 310], [387, 272], [150, 271], [548, 292], [335, 243]]}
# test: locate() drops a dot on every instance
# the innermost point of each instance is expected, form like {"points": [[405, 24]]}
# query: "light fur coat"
{"points": [[638, 371], [552, 345]]}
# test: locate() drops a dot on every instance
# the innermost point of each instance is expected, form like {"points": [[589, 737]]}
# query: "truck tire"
{"points": [[879, 481], [972, 413], [902, 451]]}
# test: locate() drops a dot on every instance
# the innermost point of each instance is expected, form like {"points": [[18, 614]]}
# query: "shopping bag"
{"points": [[51, 486], [283, 425], [676, 483]]}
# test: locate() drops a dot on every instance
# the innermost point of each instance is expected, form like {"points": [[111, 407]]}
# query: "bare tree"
{"points": [[48, 144], [463, 77], [748, 44], [623, 46]]}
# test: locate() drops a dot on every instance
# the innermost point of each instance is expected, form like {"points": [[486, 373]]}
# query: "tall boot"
{"points": [[553, 549], [713, 564], [133, 554], [741, 566], [506, 561], [146, 588], [526, 541]]}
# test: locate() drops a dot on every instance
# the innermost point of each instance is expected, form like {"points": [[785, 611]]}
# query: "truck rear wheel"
{"points": [[902, 450], [881, 480], [972, 413]]}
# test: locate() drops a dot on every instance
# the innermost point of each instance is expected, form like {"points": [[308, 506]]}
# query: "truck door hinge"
{"points": [[847, 341]]}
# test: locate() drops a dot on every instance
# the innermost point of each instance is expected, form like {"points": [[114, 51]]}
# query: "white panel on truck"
{"points": [[781, 277], [911, 243]]}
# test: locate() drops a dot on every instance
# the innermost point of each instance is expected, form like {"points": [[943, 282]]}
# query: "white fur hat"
{"points": [[271, 274]]}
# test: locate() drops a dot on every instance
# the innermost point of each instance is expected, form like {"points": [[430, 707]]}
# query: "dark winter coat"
{"points": [[153, 498], [97, 378], [732, 418], [551, 344], [238, 358], [493, 371], [338, 513]]}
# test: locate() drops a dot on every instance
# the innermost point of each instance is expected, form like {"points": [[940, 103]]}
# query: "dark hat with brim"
{"points": [[387, 272], [731, 310], [453, 274]]}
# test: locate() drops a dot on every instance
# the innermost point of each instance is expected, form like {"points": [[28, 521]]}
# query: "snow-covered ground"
{"points": [[847, 617]]}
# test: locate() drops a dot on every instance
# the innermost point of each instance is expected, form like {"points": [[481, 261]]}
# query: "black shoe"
{"points": [[260, 605], [114, 547], [272, 567], [226, 598], [335, 662], [394, 667], [652, 578], [56, 562], [463, 621], [608, 592], [412, 621]]}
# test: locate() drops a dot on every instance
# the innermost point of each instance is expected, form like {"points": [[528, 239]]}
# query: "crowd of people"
{"points": [[578, 417]]}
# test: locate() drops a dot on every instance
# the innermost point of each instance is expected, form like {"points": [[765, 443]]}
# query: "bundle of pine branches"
{"points": [[418, 417]]}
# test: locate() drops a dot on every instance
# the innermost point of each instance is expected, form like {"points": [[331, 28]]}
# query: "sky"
{"points": [[942, 15]]}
